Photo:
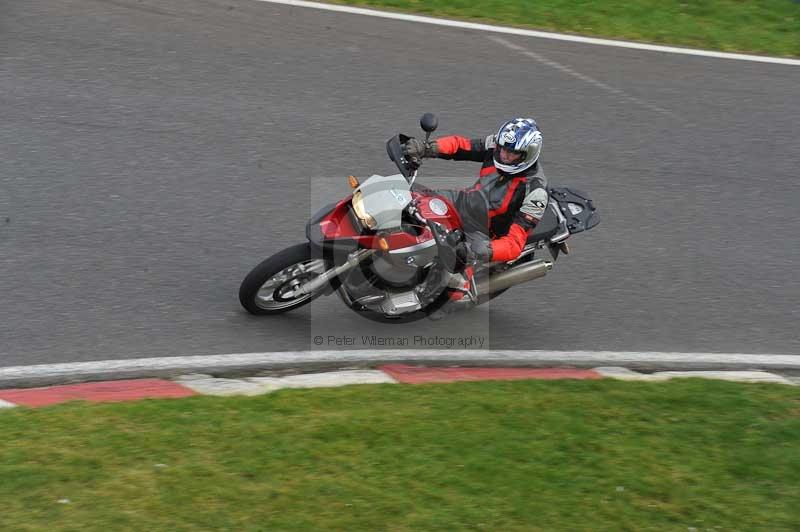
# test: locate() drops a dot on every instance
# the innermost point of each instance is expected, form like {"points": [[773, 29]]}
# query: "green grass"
{"points": [[526, 455], [766, 26]]}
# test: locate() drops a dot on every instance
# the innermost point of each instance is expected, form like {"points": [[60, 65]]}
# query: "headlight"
{"points": [[358, 207]]}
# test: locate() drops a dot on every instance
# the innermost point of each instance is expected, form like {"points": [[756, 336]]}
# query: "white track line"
{"points": [[619, 93], [206, 385], [316, 360], [737, 376], [534, 33]]}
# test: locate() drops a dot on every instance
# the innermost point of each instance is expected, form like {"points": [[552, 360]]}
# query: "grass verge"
{"points": [[525, 455], [766, 26]]}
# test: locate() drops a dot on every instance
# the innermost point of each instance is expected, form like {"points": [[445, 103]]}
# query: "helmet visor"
{"points": [[508, 156]]}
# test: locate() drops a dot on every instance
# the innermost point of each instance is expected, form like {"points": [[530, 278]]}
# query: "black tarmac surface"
{"points": [[152, 152]]}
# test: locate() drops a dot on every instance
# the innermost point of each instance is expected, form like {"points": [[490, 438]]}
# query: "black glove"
{"points": [[414, 148], [481, 249]]}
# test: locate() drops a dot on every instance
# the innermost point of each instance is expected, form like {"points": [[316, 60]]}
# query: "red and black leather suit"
{"points": [[492, 205]]}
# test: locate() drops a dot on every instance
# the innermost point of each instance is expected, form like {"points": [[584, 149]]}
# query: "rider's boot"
{"points": [[461, 292]]}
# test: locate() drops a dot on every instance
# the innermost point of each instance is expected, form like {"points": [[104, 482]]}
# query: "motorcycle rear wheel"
{"points": [[266, 289]]}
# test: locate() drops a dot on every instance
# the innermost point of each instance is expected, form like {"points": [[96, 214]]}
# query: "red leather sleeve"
{"points": [[451, 144], [510, 246]]}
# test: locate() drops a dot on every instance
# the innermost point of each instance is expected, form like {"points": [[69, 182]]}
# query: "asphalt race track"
{"points": [[152, 152]]}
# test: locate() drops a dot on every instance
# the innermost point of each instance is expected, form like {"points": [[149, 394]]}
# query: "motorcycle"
{"points": [[388, 250]]}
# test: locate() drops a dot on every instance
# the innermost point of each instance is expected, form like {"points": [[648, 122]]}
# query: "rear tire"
{"points": [[263, 291]]}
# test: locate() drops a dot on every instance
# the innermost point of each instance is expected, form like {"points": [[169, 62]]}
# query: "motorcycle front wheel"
{"points": [[268, 288]]}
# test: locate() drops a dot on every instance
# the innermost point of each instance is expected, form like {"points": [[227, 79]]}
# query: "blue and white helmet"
{"points": [[522, 136]]}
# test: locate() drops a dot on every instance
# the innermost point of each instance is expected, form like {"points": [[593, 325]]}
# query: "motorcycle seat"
{"points": [[547, 227]]}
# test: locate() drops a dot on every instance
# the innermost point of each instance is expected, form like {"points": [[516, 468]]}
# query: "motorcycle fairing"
{"points": [[384, 198], [336, 228]]}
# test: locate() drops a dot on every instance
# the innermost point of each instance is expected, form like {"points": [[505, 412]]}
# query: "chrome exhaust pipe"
{"points": [[516, 275]]}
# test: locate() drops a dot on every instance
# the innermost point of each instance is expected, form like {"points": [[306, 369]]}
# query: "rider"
{"points": [[510, 196]]}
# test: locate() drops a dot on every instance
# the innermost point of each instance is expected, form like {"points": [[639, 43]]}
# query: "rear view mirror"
{"points": [[429, 122]]}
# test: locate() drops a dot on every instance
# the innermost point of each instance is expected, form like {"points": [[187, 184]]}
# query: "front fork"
{"points": [[315, 284]]}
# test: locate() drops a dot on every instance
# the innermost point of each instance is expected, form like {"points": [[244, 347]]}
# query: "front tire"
{"points": [[267, 288]]}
